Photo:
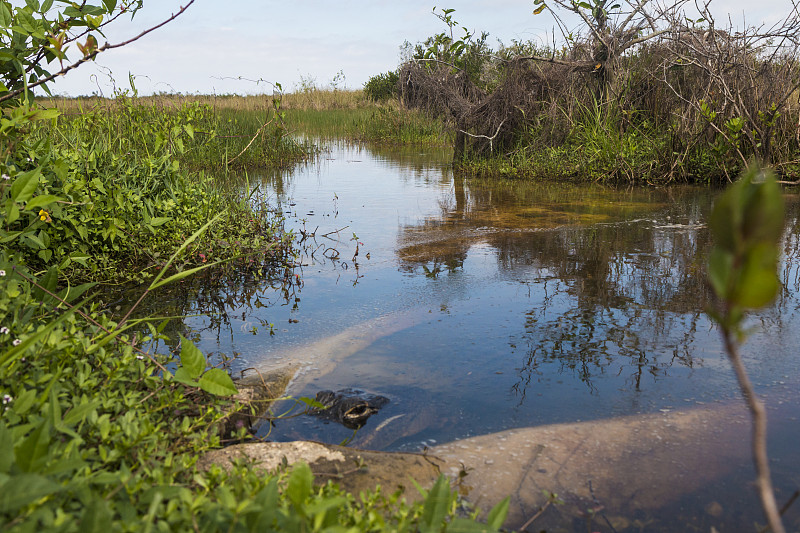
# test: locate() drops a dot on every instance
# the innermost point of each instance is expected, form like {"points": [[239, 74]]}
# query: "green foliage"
{"points": [[468, 54], [97, 435], [193, 372], [105, 188], [382, 87], [747, 224]]}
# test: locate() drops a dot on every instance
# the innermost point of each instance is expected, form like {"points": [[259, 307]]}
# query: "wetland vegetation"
{"points": [[107, 196]]}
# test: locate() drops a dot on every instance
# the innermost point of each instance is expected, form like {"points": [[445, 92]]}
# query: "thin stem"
{"points": [[759, 436]]}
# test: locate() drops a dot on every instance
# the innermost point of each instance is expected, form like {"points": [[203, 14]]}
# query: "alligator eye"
{"points": [[359, 411]]}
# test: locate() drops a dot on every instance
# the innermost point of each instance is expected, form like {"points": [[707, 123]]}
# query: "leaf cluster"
{"points": [[747, 224], [37, 34]]}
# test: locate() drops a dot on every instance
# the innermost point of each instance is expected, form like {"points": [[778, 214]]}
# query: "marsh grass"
{"points": [[313, 112], [234, 132]]}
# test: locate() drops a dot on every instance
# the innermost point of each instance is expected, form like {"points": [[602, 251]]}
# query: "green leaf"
{"points": [[764, 211], [218, 382], [158, 221], [183, 376], [758, 282], [267, 501], [174, 256], [182, 274], [720, 264], [192, 359], [6, 443], [70, 293], [498, 514], [12, 212], [299, 485], [320, 510], [25, 185], [79, 413], [5, 15], [97, 517], [30, 452], [41, 201], [48, 282], [436, 504], [311, 402], [45, 114], [25, 489], [54, 408]]}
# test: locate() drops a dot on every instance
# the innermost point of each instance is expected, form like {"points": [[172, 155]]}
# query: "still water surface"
{"points": [[479, 306]]}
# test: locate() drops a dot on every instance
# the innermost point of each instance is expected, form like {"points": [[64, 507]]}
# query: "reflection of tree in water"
{"points": [[624, 296], [625, 286]]}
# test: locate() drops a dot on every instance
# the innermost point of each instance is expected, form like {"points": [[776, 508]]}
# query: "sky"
{"points": [[226, 46]]}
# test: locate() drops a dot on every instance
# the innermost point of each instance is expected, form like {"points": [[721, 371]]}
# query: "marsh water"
{"points": [[480, 305]]}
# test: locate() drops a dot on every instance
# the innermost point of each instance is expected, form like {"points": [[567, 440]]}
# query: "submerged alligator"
{"points": [[349, 407]]}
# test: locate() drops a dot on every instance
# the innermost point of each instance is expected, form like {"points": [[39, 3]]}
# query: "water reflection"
{"points": [[481, 305], [620, 273]]}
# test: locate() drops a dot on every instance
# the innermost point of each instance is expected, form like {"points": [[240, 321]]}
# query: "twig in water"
{"points": [[335, 231]]}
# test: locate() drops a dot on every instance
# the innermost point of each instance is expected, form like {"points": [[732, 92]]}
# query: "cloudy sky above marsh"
{"points": [[223, 47]]}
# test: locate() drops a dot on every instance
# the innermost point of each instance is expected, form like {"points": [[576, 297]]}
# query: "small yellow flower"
{"points": [[44, 215]]}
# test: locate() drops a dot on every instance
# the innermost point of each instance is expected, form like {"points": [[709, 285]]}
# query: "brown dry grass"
{"points": [[314, 99]]}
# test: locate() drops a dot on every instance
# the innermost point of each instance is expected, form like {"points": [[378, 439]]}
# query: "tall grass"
{"points": [[223, 132], [235, 121], [388, 124]]}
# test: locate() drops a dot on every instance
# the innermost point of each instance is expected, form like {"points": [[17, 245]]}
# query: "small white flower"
{"points": [[16, 342], [140, 357], [4, 330], [6, 177], [7, 399], [2, 273]]}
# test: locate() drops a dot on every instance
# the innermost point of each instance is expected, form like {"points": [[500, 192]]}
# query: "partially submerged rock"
{"points": [[624, 467], [621, 468], [354, 470]]}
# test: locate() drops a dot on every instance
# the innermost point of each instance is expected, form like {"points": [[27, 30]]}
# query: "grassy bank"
{"points": [[387, 124]]}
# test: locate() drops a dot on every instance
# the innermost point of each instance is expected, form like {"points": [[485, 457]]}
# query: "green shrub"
{"points": [[382, 87]]}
